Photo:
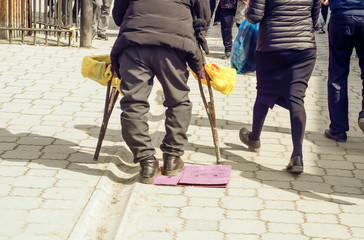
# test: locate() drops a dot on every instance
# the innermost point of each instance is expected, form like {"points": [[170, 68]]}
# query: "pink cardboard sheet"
{"points": [[199, 176], [206, 175], [169, 181]]}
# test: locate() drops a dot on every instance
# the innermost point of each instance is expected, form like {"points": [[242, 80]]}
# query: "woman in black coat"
{"points": [[285, 58]]}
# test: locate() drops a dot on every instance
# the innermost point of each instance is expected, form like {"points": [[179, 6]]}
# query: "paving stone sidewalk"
{"points": [[50, 187], [49, 125], [262, 201]]}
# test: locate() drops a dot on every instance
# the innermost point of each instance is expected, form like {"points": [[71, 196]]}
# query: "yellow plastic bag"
{"points": [[98, 68], [222, 78]]}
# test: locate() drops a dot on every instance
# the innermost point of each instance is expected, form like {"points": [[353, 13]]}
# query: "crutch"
{"points": [[210, 109], [111, 96]]}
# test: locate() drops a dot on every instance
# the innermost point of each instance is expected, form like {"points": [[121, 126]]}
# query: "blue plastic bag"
{"points": [[243, 49]]}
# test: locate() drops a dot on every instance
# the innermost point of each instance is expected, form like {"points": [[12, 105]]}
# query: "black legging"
{"points": [[298, 125]]}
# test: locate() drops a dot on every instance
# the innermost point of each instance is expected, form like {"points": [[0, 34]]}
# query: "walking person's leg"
{"points": [[260, 109], [252, 139], [227, 21], [340, 49], [359, 47], [260, 112], [104, 19], [324, 11], [217, 17], [212, 7], [76, 10], [298, 126], [96, 16], [301, 71]]}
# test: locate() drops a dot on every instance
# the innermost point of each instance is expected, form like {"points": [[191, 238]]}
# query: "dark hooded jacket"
{"points": [[284, 24], [166, 23]]}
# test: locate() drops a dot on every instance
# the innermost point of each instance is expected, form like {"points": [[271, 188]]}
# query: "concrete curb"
{"points": [[123, 223], [103, 216], [88, 223]]}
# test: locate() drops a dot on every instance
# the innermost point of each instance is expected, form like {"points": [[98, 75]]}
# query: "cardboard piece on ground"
{"points": [[201, 176], [206, 175], [168, 181]]}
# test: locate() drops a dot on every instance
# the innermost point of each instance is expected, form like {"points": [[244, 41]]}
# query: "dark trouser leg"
{"points": [[298, 125], [340, 49], [96, 14], [104, 17], [361, 64], [173, 79], [136, 87], [212, 7], [324, 11], [217, 17], [227, 21], [138, 65], [359, 47], [76, 9], [260, 111]]}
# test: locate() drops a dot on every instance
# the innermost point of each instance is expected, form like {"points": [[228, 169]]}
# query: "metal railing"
{"points": [[40, 20]]}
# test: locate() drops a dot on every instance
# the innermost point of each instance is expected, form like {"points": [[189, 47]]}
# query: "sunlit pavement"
{"points": [[50, 187]]}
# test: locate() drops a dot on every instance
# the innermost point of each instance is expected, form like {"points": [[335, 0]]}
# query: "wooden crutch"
{"points": [[111, 96], [210, 109]]}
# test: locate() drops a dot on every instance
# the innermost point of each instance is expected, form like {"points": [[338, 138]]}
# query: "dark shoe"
{"points": [[102, 37], [150, 170], [244, 135], [338, 137], [216, 23], [172, 165], [295, 165], [322, 31], [361, 123], [226, 55]]}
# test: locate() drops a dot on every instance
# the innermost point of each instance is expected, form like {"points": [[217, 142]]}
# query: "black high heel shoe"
{"points": [[295, 165]]}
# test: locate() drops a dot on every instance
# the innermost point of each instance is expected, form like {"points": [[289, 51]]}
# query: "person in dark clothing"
{"points": [[212, 7], [227, 14], [346, 32], [147, 47], [100, 21], [285, 58], [76, 10], [324, 12]]}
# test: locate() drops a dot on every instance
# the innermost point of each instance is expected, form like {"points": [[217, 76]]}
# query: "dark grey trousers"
{"points": [[138, 67], [101, 12]]}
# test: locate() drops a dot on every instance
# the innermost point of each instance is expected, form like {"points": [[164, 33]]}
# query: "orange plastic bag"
{"points": [[222, 78]]}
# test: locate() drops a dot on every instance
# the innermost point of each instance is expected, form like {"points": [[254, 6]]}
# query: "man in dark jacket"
{"points": [[157, 38], [346, 32]]}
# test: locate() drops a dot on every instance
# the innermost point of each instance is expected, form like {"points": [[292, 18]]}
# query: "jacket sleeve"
{"points": [[255, 11], [315, 12], [201, 10], [119, 10]]}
